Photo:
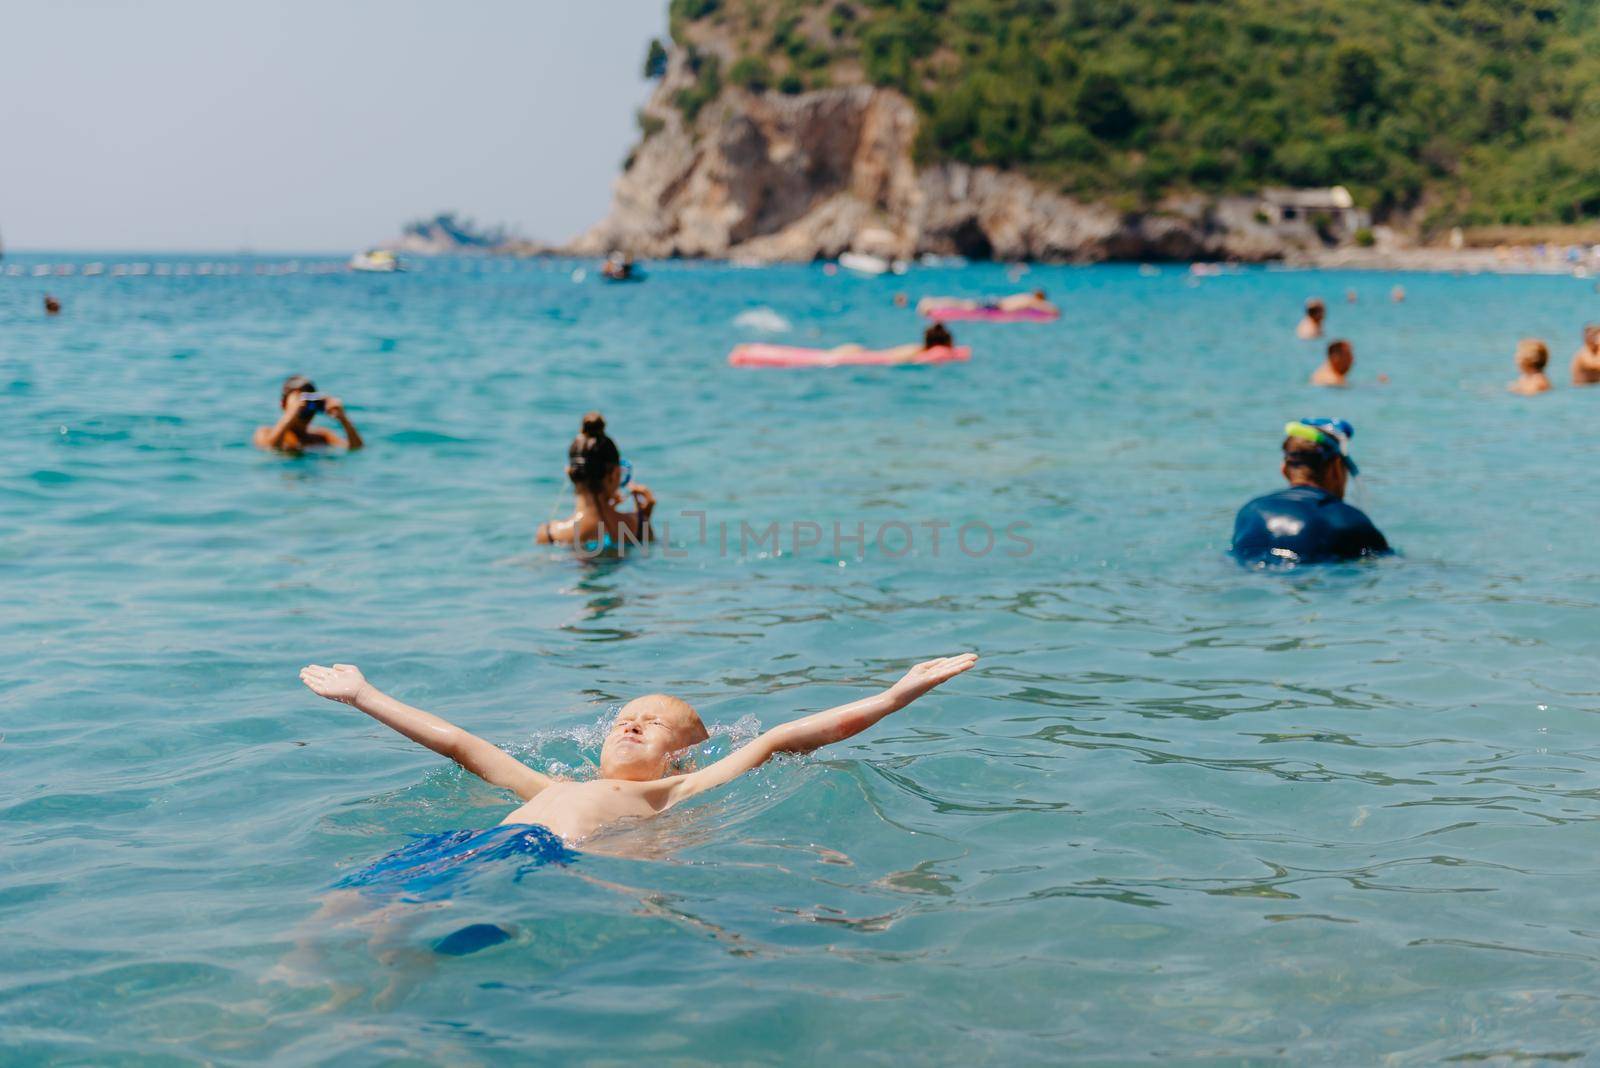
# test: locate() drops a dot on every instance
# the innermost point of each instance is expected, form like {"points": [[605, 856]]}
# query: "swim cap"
{"points": [[1331, 435]]}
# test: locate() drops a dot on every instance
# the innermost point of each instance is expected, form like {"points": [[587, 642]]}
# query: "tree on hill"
{"points": [[1103, 108], [655, 59]]}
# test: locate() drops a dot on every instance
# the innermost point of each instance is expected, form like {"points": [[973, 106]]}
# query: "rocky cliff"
{"points": [[771, 176]]}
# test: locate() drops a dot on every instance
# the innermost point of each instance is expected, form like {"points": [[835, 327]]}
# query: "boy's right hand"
{"points": [[342, 682], [930, 673]]}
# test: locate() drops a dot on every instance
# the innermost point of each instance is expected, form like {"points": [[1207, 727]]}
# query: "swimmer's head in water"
{"points": [[1039, 294], [294, 384], [1591, 335], [592, 459], [1532, 355], [647, 734], [1315, 309], [937, 336], [1320, 449], [1341, 356]]}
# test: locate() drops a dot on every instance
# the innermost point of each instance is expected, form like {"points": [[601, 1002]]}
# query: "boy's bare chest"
{"points": [[578, 809]]}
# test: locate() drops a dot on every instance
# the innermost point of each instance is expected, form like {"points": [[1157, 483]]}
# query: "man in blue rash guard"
{"points": [[1309, 522]]}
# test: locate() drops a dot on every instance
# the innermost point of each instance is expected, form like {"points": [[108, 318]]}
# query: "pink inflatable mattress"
{"points": [[760, 354], [956, 313]]}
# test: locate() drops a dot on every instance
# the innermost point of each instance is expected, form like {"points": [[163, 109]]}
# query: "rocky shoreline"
{"points": [[1521, 259], [769, 177]]}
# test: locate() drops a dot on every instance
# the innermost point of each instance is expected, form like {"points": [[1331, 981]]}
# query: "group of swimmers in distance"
{"points": [[1309, 522], [601, 479], [1335, 368], [1533, 356]]}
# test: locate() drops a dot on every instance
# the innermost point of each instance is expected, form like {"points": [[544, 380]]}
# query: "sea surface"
{"points": [[1179, 811]]}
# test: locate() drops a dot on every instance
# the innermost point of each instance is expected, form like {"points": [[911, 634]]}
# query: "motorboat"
{"points": [[375, 261], [620, 268], [863, 263], [866, 263]]}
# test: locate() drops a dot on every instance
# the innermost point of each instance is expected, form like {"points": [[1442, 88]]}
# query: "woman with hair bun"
{"points": [[601, 480]]}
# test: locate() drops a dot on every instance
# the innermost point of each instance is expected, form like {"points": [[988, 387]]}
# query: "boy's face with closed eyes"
{"points": [[645, 735]]}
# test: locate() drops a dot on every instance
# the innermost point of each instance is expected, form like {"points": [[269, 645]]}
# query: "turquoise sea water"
{"points": [[1179, 811]]}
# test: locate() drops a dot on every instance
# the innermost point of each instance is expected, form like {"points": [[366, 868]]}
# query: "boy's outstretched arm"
{"points": [[344, 682], [820, 729]]}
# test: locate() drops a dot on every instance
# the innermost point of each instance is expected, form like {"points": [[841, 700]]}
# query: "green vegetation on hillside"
{"points": [[1474, 111]]}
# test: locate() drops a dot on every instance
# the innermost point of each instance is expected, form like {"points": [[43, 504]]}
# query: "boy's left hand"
{"points": [[930, 673], [342, 682]]}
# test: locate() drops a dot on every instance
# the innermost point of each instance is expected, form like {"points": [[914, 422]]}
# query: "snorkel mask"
{"points": [[627, 474], [1331, 436]]}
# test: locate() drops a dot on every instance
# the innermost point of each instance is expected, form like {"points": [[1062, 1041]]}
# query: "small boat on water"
{"points": [[619, 268], [375, 261], [863, 263], [866, 263]]}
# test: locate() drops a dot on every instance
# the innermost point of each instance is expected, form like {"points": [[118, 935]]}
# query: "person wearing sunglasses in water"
{"points": [[600, 477], [293, 433]]}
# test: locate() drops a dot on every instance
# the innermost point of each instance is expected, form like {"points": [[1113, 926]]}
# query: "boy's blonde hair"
{"points": [[1532, 354], [688, 722]]}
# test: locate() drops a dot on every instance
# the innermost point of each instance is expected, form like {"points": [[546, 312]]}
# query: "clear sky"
{"points": [[310, 125]]}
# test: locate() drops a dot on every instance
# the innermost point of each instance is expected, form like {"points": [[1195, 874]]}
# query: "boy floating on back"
{"points": [[636, 779]]}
